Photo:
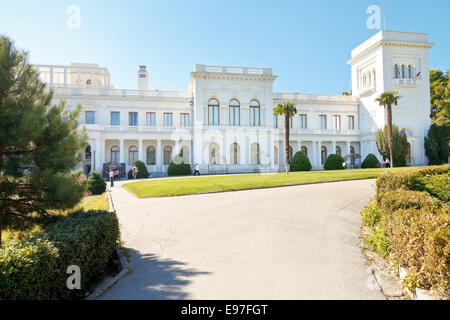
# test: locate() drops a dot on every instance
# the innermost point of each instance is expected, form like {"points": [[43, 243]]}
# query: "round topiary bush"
{"points": [[179, 169], [142, 171], [96, 185], [334, 162], [300, 162], [370, 161]]}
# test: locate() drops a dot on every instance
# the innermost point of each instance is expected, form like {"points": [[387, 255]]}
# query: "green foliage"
{"points": [[35, 268], [440, 97], [334, 162], [437, 185], [370, 161], [399, 144], [437, 144], [371, 215], [300, 162], [410, 223], [39, 144], [179, 169], [142, 171], [96, 184]]}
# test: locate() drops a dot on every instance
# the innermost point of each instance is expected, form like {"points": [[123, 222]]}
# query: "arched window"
{"points": [[338, 150], [115, 152], [234, 113], [184, 152], [290, 153], [256, 156], [132, 155], [403, 74], [370, 78], [374, 77], [213, 112], [323, 153], [364, 80], [213, 153], [255, 117], [410, 72], [304, 150], [234, 153], [396, 71], [167, 155], [87, 153], [352, 150], [151, 156], [275, 155]]}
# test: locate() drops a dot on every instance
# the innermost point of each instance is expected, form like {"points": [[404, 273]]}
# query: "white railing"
{"points": [[314, 97], [98, 91], [232, 70], [406, 82]]}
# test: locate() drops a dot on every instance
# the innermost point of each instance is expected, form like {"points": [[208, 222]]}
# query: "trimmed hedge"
{"points": [[96, 184], [300, 162], [370, 161], [142, 171], [334, 162], [179, 169], [35, 268], [409, 223]]}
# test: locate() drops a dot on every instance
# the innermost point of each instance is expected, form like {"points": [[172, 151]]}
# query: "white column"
{"points": [[79, 77], [65, 77], [333, 146], [159, 158], [141, 150], [319, 154], [105, 79], [97, 156], [348, 147], [51, 76], [122, 151], [92, 77], [299, 145]]}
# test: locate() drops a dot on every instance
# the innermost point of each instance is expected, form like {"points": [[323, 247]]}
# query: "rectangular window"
{"points": [[133, 119], [351, 122], [184, 120], [168, 119], [89, 117], [213, 115], [275, 121], [337, 122], [303, 123], [323, 122], [234, 116], [151, 119], [115, 118], [255, 119]]}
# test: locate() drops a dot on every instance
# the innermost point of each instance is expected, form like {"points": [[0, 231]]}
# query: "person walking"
{"points": [[111, 177], [135, 172], [197, 171]]}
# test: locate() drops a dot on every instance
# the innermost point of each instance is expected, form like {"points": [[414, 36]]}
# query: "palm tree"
{"points": [[386, 99], [287, 110]]}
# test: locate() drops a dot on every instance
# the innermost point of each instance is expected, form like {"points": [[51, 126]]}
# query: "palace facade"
{"points": [[224, 121]]}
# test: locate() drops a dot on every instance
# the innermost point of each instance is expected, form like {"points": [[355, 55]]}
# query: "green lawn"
{"points": [[205, 184]]}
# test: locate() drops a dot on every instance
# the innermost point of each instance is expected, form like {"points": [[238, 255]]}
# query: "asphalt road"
{"points": [[296, 242]]}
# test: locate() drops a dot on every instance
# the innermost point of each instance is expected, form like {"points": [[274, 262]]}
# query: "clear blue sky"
{"points": [[307, 43]]}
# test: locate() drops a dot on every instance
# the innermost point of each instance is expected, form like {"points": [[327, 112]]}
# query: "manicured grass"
{"points": [[205, 184]]}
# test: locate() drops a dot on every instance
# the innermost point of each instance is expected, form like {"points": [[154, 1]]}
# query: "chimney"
{"points": [[142, 78]]}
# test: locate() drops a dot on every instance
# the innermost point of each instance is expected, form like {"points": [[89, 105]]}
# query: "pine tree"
{"points": [[39, 145]]}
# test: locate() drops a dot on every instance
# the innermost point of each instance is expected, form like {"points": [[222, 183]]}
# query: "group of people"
{"points": [[134, 172]]}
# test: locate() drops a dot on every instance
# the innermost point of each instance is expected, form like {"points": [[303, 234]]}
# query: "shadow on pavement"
{"points": [[153, 278]]}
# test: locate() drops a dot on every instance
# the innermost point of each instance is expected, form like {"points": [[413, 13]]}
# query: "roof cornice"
{"points": [[231, 76], [390, 43]]}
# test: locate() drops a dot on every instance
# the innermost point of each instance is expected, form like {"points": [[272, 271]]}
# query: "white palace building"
{"points": [[224, 121]]}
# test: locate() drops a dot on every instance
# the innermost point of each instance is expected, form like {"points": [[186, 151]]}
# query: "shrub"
{"points": [[300, 162], [437, 185], [390, 202], [334, 162], [96, 185], [179, 169], [371, 215], [142, 171], [35, 268], [420, 239], [379, 241], [370, 161]]}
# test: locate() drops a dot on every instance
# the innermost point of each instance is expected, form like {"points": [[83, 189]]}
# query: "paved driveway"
{"points": [[283, 243]]}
